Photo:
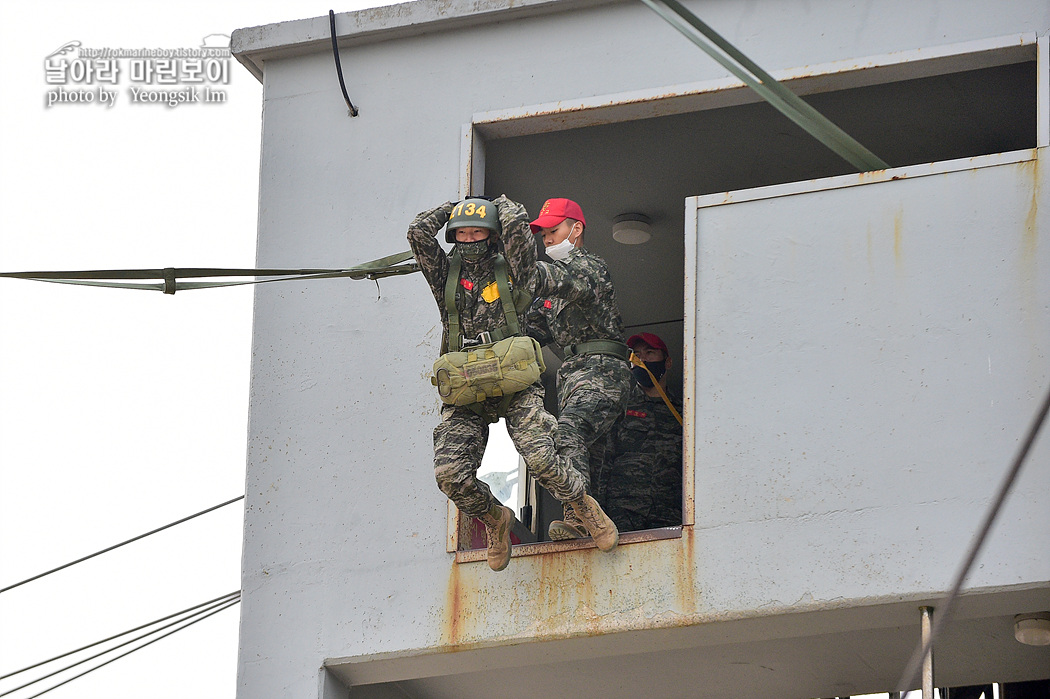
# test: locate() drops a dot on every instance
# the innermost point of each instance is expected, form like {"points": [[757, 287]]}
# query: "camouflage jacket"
{"points": [[574, 301], [648, 430], [479, 310], [644, 488]]}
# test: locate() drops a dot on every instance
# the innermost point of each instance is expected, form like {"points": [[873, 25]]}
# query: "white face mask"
{"points": [[559, 251]]}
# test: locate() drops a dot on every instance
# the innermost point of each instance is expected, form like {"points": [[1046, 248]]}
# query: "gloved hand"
{"points": [[432, 220], [511, 213]]}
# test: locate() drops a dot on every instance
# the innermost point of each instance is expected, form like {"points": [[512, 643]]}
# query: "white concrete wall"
{"points": [[344, 551], [870, 358]]}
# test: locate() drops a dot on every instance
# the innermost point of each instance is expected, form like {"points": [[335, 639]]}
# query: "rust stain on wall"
{"points": [[1031, 226], [898, 241], [1029, 258], [571, 594], [686, 573], [453, 607]]}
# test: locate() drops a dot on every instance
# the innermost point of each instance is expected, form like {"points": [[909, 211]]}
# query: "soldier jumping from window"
{"points": [[480, 305]]}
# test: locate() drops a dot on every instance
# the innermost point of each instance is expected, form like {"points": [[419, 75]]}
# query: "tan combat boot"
{"points": [[601, 528], [498, 521], [568, 528]]}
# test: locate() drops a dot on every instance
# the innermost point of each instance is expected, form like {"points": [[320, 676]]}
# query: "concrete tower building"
{"points": [[860, 353]]}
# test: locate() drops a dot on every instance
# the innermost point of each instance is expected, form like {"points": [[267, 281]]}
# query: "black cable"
{"points": [[225, 597], [116, 546], [60, 670], [338, 66], [655, 322], [202, 618], [943, 608]]}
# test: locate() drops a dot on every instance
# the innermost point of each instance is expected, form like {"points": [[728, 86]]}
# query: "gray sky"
{"points": [[120, 410]]}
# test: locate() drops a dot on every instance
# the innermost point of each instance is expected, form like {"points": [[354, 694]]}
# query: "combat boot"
{"points": [[599, 526], [498, 521], [568, 528]]}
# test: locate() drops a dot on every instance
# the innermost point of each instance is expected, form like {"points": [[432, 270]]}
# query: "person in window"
{"points": [[574, 307], [477, 227], [644, 487]]}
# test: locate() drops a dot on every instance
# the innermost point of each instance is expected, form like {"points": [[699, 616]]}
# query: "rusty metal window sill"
{"points": [[542, 547]]}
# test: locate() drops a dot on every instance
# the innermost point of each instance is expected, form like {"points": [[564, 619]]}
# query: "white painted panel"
{"points": [[868, 357]]}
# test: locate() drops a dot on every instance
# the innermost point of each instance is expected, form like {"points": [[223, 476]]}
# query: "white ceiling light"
{"points": [[1033, 629], [632, 229]]}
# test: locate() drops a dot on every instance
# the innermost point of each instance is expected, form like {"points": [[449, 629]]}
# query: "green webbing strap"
{"points": [[501, 409], [609, 347], [375, 269], [511, 327], [503, 286], [784, 100], [510, 313], [451, 282]]}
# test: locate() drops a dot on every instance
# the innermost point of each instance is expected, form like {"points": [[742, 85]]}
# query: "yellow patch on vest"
{"points": [[490, 293]]}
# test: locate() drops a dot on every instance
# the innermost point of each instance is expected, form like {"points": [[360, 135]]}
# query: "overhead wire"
{"points": [[197, 610], [123, 543], [943, 608], [202, 617], [123, 633]]}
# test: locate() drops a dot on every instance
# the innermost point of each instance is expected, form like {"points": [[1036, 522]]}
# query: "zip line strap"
{"points": [[635, 360], [125, 278], [781, 98]]}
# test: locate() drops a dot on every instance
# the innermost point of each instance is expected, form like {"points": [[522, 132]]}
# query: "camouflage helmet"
{"points": [[473, 212]]}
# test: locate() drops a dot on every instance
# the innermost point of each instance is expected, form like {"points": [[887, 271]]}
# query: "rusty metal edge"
{"points": [[521, 550]]}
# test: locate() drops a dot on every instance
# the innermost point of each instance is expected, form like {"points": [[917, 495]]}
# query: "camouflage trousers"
{"points": [[459, 443], [592, 394]]}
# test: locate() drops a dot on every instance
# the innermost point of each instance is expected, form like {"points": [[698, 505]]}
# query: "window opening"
{"points": [[652, 165]]}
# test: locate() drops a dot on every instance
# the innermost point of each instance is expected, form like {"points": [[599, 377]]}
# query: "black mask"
{"points": [[642, 377]]}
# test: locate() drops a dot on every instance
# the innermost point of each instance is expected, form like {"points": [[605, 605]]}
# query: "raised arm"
{"points": [[422, 237], [565, 281], [518, 244]]}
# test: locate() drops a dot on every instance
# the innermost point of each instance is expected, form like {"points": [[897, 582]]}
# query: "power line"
{"points": [[201, 609], [227, 605], [123, 543], [914, 667], [225, 597]]}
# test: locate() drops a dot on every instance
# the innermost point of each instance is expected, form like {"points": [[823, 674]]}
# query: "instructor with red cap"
{"points": [[574, 308]]}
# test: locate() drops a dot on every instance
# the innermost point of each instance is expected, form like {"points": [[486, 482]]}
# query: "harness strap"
{"points": [[501, 409], [510, 299], [503, 285], [609, 347], [453, 341]]}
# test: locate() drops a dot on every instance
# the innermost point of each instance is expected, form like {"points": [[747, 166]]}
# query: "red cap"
{"points": [[555, 211], [649, 339]]}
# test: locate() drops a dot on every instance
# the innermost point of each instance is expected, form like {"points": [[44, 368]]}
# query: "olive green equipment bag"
{"points": [[493, 370], [496, 364]]}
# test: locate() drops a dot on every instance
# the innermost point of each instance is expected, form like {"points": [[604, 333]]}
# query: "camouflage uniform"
{"points": [[461, 436], [644, 478], [575, 302]]}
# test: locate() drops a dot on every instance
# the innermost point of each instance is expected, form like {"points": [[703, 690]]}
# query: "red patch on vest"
{"points": [[466, 284], [547, 303], [637, 413]]}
